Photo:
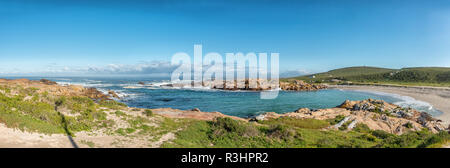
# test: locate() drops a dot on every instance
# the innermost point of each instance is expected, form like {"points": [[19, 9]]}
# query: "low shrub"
{"points": [[298, 123], [225, 125], [111, 104], [336, 120], [363, 128], [281, 132], [119, 113], [381, 134], [148, 112], [436, 140]]}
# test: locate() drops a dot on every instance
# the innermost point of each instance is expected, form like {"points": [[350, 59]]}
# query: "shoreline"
{"points": [[439, 98]]}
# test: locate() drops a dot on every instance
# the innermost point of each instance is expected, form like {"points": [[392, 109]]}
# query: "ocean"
{"points": [[235, 103]]}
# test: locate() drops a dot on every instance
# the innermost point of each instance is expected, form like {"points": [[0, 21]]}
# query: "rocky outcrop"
{"points": [[113, 94], [95, 94], [48, 82], [52, 88], [384, 108], [299, 85], [252, 85], [303, 110], [376, 114], [247, 84]]}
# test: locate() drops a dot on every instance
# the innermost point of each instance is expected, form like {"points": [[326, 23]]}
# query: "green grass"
{"points": [[298, 123], [419, 139], [119, 113], [39, 114], [227, 133], [112, 104]]}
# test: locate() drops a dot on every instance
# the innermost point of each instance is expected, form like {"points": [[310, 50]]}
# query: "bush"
{"points": [[368, 137], [148, 112], [436, 140], [407, 140], [381, 134], [112, 104], [119, 113], [408, 125], [224, 125], [281, 132], [344, 126], [336, 120], [363, 128]]}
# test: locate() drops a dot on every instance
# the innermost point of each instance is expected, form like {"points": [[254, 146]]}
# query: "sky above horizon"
{"points": [[140, 37]]}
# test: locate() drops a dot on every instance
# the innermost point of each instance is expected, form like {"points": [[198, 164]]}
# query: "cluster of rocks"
{"points": [[380, 106], [48, 82], [113, 94], [95, 94], [376, 114], [252, 85], [299, 85], [384, 108], [53, 88]]}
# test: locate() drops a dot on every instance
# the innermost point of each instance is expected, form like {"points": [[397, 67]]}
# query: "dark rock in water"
{"points": [[196, 109], [141, 83], [48, 82]]}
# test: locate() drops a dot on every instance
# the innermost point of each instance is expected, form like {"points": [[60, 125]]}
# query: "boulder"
{"points": [[95, 94], [48, 82], [113, 94], [267, 116], [347, 104], [303, 110]]}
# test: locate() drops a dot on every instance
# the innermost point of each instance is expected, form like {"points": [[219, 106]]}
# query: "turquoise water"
{"points": [[245, 104], [236, 103]]}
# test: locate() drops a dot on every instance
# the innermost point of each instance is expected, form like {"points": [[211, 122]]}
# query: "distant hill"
{"points": [[427, 76]]}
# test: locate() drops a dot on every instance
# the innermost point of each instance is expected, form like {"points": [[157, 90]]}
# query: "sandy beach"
{"points": [[438, 97]]}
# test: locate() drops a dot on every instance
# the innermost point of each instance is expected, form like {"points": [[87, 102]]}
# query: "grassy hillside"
{"points": [[422, 76]]}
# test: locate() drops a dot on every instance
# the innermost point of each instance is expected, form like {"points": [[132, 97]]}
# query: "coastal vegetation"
{"points": [[39, 109], [420, 76], [291, 133]]}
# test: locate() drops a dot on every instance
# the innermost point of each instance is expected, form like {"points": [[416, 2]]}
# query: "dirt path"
{"points": [[11, 138]]}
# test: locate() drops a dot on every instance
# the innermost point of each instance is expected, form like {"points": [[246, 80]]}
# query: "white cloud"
{"points": [[153, 68], [145, 68]]}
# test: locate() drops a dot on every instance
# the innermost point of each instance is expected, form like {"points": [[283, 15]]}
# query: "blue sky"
{"points": [[130, 36]]}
